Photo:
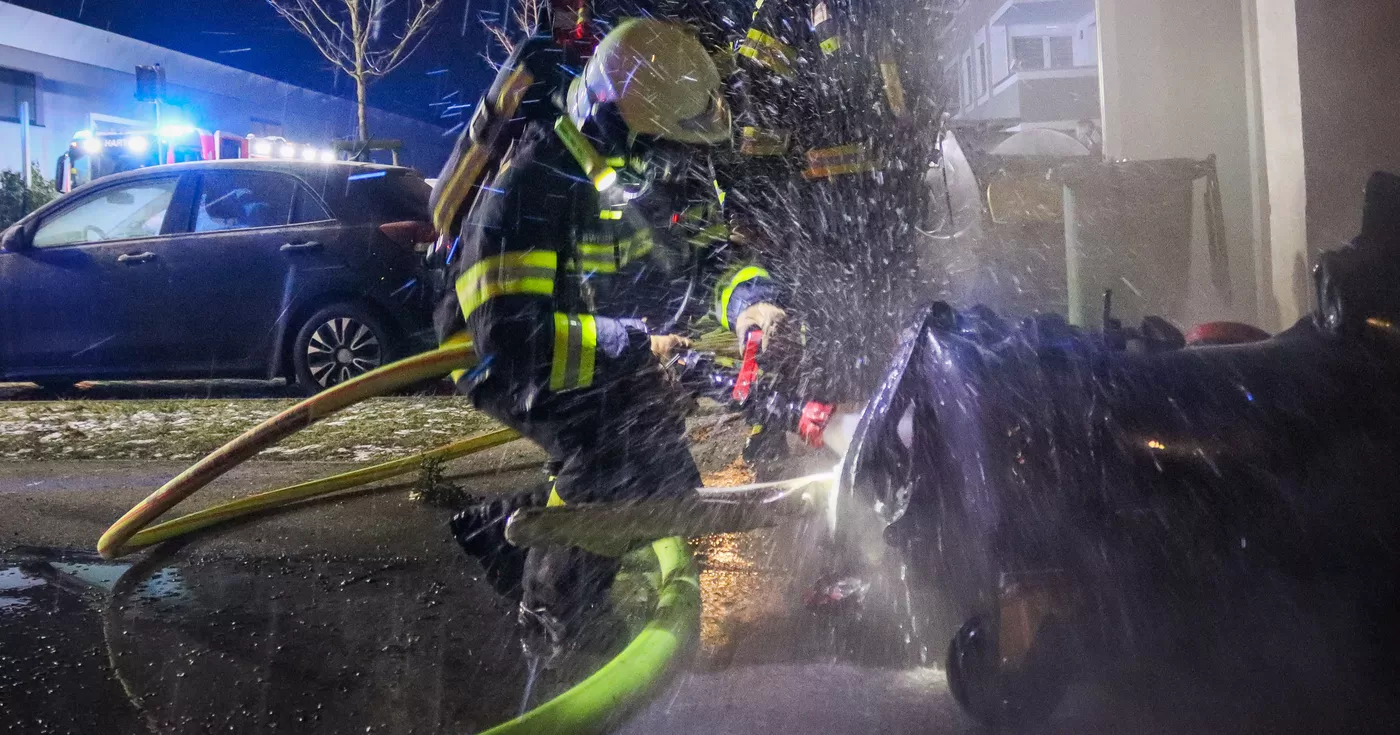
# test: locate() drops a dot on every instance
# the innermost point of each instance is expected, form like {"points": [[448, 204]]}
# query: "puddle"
{"points": [[201, 644]]}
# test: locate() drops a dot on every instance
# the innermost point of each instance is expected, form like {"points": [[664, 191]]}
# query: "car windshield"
{"points": [[700, 366]]}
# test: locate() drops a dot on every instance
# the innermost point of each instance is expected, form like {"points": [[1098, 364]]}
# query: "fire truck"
{"points": [[94, 154]]}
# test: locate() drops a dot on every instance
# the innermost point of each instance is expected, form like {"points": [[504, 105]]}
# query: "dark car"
{"points": [[244, 268]]}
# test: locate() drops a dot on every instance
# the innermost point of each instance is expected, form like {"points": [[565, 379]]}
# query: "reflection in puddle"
{"points": [[316, 645], [198, 644]]}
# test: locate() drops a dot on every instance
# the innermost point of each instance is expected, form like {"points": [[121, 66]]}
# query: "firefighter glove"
{"points": [[664, 346], [762, 316]]}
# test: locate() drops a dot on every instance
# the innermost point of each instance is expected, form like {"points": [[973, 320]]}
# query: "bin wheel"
{"points": [[999, 697]]}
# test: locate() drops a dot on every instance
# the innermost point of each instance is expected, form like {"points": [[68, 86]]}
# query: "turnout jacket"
{"points": [[560, 285]]}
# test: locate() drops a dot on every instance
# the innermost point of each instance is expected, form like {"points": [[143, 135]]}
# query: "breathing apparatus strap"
{"points": [[486, 132], [589, 159]]}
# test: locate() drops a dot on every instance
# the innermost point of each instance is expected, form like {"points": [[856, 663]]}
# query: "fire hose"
{"points": [[589, 706], [401, 374]]}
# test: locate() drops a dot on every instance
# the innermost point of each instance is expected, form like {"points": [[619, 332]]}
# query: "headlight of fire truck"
{"points": [[174, 131], [90, 145]]}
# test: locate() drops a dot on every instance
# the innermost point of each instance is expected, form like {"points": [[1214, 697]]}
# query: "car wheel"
{"points": [[1001, 697], [338, 343]]}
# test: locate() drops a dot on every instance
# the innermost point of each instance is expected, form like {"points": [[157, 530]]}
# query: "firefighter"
{"points": [[575, 268], [836, 130]]}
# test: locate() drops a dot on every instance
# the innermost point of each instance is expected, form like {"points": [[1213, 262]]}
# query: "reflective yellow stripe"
{"points": [[831, 45], [589, 350], [575, 348], [612, 214], [768, 51], [525, 272], [710, 235], [560, 361], [742, 276], [838, 160], [589, 159], [609, 257], [759, 142], [817, 155], [638, 246], [555, 501]]}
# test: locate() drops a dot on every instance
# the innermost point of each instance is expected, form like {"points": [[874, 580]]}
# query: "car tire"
{"points": [[337, 343]]}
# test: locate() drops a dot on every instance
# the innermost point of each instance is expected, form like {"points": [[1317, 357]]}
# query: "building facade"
{"points": [[1032, 63], [74, 77]]}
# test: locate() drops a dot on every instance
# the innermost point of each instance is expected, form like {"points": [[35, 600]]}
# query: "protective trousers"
{"points": [[624, 440]]}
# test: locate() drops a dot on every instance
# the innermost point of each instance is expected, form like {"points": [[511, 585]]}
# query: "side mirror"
{"points": [[19, 236]]}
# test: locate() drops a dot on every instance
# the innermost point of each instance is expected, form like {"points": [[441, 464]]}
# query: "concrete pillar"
{"points": [[1280, 195], [1174, 86]]}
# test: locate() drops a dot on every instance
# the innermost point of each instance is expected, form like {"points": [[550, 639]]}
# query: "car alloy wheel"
{"points": [[340, 349]]}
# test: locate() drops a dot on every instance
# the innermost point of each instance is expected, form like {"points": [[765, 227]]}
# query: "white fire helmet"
{"points": [[660, 80]]}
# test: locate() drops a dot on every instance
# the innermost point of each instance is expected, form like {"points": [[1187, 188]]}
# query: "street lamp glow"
{"points": [[138, 144]]}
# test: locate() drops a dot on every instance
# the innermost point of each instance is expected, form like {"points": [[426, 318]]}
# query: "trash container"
{"points": [[1128, 229]]}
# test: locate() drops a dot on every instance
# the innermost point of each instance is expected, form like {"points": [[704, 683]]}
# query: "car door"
{"points": [[254, 242], [66, 312]]}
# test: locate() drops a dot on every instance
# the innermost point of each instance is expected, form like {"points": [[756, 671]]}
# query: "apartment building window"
{"points": [[983, 72], [1061, 52], [1027, 53], [952, 85], [16, 87], [971, 84]]}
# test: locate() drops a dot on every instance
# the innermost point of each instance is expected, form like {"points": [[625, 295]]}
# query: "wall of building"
{"points": [[84, 70], [1174, 86], [1349, 62], [1086, 41]]}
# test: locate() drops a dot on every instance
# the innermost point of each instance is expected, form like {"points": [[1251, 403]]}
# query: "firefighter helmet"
{"points": [[658, 80]]}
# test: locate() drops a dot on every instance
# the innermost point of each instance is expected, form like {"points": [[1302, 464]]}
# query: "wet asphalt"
{"points": [[359, 615]]}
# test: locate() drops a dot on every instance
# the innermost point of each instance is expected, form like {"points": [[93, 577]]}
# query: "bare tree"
{"points": [[526, 19], [352, 35]]}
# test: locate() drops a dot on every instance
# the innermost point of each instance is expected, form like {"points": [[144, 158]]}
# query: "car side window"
{"points": [[121, 212], [235, 200], [308, 208]]}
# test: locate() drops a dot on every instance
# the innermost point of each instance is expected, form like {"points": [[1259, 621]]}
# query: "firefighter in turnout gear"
{"points": [[834, 136], [597, 240]]}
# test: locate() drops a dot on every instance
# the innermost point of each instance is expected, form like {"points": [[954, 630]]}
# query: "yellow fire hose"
{"points": [[591, 706], [394, 376], [598, 702], [314, 488]]}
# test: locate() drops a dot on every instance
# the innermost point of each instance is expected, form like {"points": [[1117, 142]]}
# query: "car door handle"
{"points": [[135, 257], [299, 247]]}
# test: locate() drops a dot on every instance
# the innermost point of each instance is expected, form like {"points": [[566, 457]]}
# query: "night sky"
{"points": [[218, 30]]}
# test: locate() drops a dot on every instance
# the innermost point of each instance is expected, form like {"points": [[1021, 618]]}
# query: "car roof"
{"points": [[282, 165], [326, 178]]}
